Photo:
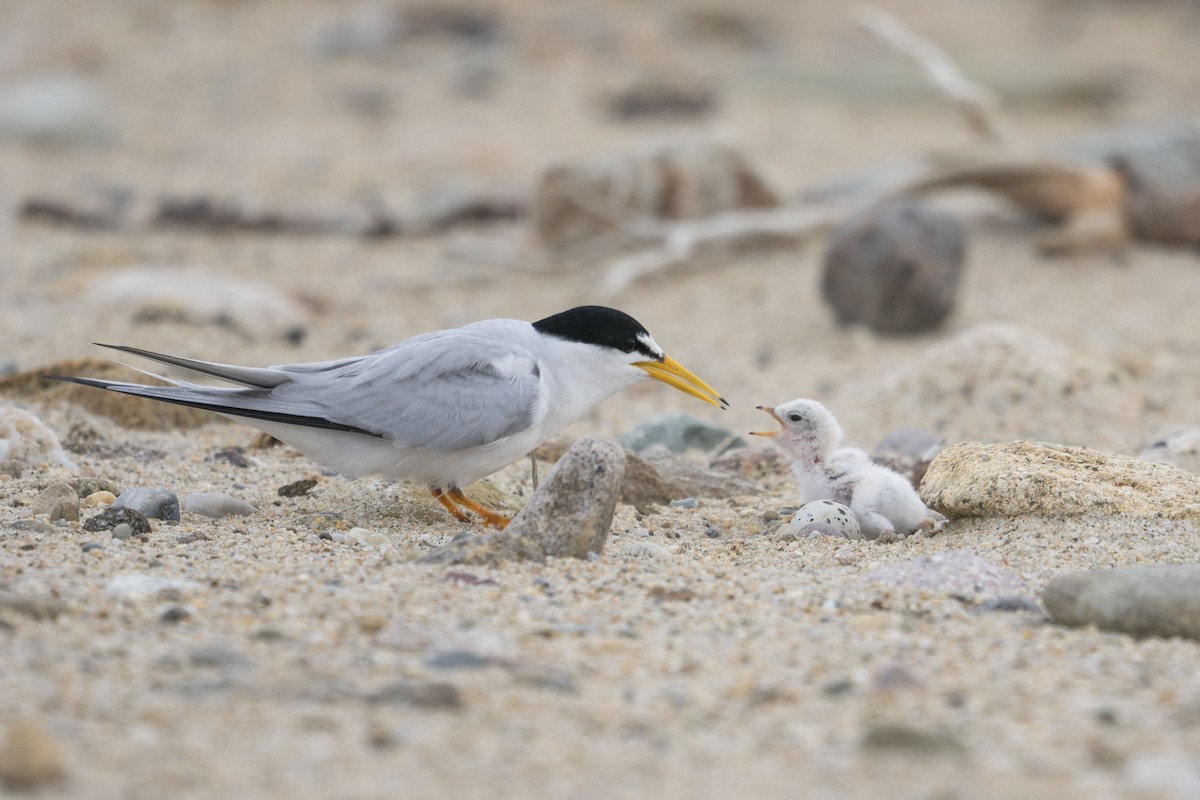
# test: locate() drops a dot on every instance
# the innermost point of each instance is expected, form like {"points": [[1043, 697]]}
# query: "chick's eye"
{"points": [[795, 417]]}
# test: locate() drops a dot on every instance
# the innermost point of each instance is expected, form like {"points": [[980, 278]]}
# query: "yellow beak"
{"points": [[770, 411], [672, 373]]}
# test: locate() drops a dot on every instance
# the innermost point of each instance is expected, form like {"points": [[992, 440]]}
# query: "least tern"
{"points": [[883, 500], [444, 408]]}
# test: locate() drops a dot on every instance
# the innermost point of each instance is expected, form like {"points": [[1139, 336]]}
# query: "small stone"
{"points": [[770, 515], [217, 655], [174, 614], [29, 757], [151, 502], [686, 502], [1161, 600], [33, 525], [569, 515], [58, 501], [216, 505], [122, 531], [901, 737], [826, 512], [57, 110], [112, 517], [459, 659], [189, 538], [297, 489], [101, 498], [955, 572], [325, 520], [232, 455], [425, 694], [657, 100], [135, 586], [90, 546], [895, 268], [1007, 604], [680, 433]]}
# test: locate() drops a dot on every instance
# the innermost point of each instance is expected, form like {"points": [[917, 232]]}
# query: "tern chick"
{"points": [[884, 501], [444, 408]]}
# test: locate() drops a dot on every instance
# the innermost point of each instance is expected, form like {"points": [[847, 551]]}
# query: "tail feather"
{"points": [[256, 377], [253, 403]]}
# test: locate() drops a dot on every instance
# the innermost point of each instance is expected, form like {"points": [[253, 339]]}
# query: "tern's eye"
{"points": [[795, 417]]}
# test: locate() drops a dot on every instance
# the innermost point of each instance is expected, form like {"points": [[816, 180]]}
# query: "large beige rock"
{"points": [[1000, 382], [1033, 478]]}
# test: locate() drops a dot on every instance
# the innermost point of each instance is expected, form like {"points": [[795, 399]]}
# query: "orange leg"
{"points": [[489, 517], [441, 497]]}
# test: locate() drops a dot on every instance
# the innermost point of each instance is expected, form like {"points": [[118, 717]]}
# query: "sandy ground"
{"points": [[706, 666]]}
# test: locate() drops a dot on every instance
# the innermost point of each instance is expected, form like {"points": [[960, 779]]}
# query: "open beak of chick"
{"points": [[672, 373], [771, 411]]}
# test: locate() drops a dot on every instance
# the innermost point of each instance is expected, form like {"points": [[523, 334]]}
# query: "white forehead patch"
{"points": [[649, 342]]}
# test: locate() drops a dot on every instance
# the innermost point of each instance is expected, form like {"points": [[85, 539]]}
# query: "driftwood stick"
{"points": [[978, 103]]}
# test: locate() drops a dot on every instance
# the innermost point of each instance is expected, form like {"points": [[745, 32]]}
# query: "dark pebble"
{"points": [[233, 455], [297, 489], [89, 546], [113, 516], [430, 694], [458, 659], [151, 502]]}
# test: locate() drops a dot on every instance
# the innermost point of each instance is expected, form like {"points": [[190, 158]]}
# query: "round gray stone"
{"points": [[152, 502], [1162, 600]]}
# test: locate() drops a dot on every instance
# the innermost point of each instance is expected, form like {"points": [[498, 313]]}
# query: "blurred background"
{"points": [[280, 181]]}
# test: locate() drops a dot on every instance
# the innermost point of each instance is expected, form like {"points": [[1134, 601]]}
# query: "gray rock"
{"points": [[1029, 478], [569, 515], [956, 572], [998, 382], [1162, 600], [215, 505], [152, 502], [895, 268], [1162, 182], [58, 501], [122, 531], [904, 738], [424, 694], [54, 110], [680, 433]]}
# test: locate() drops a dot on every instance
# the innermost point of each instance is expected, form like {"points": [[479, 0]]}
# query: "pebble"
{"points": [[955, 572], [904, 738], [90, 546], [32, 525], [297, 489], [458, 659], [1160, 600], [895, 268], [122, 531], [569, 515], [152, 502], [135, 586], [216, 505], [28, 442], [1033, 478], [30, 757], [101, 498], [217, 655], [686, 502], [57, 110], [112, 517], [1007, 604], [423, 694], [58, 501], [681, 433], [827, 513]]}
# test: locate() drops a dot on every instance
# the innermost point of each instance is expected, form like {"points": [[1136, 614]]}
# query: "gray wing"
{"points": [[443, 391]]}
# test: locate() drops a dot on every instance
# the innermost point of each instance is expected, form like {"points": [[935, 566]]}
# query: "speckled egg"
{"points": [[826, 512]]}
